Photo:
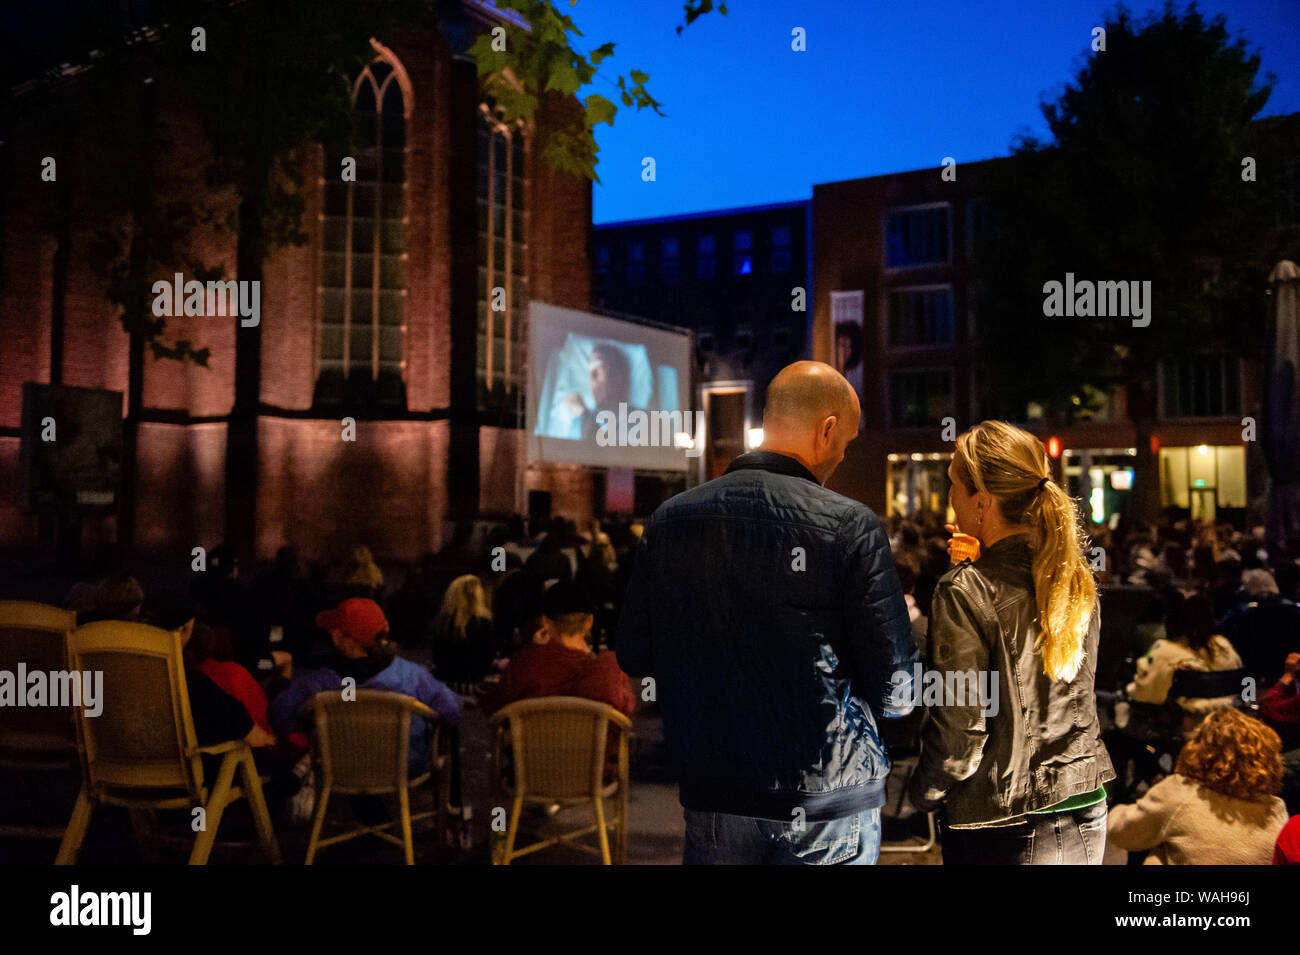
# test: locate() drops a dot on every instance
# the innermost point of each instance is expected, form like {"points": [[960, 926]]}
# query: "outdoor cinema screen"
{"points": [[608, 393]]}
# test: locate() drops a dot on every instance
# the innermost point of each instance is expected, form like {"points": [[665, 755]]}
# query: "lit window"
{"points": [[363, 251]]}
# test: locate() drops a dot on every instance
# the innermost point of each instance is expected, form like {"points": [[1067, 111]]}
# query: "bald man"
{"points": [[765, 617]]}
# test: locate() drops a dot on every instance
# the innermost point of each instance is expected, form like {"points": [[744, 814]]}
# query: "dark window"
{"points": [[1201, 386], [743, 253], [636, 263], [670, 266], [916, 237], [780, 249], [920, 317], [705, 261], [919, 399]]}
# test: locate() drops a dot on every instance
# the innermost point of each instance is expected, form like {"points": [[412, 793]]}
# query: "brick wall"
{"points": [[388, 489]]}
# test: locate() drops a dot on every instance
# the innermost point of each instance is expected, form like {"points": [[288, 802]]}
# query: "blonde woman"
{"points": [[1019, 767], [462, 633], [462, 657]]}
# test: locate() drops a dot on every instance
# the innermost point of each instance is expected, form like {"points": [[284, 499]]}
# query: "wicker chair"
{"points": [[35, 739], [557, 746], [362, 747], [141, 751]]}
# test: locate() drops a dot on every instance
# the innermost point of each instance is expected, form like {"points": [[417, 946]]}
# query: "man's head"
{"points": [[354, 626], [610, 374], [811, 415], [567, 614]]}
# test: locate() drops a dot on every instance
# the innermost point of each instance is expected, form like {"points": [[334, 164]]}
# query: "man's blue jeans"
{"points": [[716, 838]]}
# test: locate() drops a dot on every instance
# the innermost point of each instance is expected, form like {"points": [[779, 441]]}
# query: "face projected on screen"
{"points": [[611, 376]]}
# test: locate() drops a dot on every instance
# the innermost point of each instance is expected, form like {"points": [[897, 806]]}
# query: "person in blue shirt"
{"points": [[366, 654]]}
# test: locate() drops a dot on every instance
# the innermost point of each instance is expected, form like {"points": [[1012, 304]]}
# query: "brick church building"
{"points": [[381, 316]]}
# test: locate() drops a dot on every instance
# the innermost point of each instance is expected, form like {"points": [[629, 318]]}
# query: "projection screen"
{"points": [[608, 393]]}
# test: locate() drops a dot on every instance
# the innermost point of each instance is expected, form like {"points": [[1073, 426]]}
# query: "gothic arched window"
{"points": [[363, 250]]}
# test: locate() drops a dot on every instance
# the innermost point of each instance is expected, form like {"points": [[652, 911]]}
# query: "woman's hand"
{"points": [[968, 548]]}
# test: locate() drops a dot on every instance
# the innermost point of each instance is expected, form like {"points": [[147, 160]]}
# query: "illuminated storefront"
{"points": [[917, 484]]}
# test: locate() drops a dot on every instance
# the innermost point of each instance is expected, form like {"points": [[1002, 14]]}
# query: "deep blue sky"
{"points": [[883, 87]]}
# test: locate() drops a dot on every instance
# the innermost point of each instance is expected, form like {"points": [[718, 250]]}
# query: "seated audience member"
{"points": [[1264, 626], [1280, 706], [233, 678], [364, 578], [463, 635], [117, 597], [1189, 641], [1219, 807], [551, 559], [366, 653], [560, 661], [1287, 849], [224, 704]]}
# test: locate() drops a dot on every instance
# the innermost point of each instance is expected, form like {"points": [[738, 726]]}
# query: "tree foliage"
{"points": [[1142, 180], [540, 55]]}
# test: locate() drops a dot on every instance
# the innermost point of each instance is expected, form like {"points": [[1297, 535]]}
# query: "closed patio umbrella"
{"points": [[1280, 428]]}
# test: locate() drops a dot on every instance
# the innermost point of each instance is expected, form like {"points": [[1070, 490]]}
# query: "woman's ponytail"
{"points": [[1063, 583]]}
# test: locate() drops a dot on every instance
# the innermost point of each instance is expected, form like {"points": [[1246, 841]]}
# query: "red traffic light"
{"points": [[1053, 447]]}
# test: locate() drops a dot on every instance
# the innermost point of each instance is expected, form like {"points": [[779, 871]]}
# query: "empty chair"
{"points": [[558, 750], [361, 747], [35, 739], [141, 751]]}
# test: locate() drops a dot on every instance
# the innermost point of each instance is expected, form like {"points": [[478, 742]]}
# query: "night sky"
{"points": [[882, 87]]}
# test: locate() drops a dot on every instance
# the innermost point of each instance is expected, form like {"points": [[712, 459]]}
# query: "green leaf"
{"points": [[602, 52], [564, 78], [599, 110]]}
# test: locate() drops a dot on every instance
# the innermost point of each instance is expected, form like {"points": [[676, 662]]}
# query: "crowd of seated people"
{"points": [[256, 650], [512, 615]]}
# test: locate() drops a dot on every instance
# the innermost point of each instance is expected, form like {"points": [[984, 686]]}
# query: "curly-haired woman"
{"points": [[1219, 807]]}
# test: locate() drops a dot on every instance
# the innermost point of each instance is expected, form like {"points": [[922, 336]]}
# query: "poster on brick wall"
{"points": [[71, 450], [846, 320]]}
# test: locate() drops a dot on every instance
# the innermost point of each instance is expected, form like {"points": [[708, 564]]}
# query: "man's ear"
{"points": [[828, 425]]}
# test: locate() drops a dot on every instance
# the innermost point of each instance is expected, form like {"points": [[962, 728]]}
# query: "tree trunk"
{"points": [[1145, 502], [136, 308], [241, 432]]}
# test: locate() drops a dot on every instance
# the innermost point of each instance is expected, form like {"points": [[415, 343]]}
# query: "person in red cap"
{"points": [[366, 655]]}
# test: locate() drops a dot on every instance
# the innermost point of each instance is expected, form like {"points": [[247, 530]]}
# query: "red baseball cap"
{"points": [[357, 618]]}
